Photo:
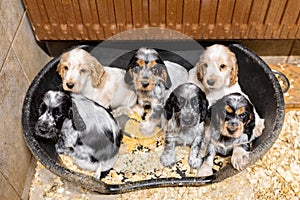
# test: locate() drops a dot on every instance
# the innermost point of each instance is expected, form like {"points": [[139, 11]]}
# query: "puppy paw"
{"points": [[168, 159], [205, 170], [195, 162], [97, 174], [259, 127], [147, 128], [239, 158]]}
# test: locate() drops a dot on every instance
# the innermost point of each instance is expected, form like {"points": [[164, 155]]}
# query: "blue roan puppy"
{"points": [[186, 110], [92, 138]]}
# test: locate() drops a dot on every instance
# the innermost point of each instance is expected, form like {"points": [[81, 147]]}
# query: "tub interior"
{"points": [[255, 78]]}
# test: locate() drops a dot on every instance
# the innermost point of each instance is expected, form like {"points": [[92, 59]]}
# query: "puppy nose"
{"points": [[70, 85], [145, 84], [233, 124], [211, 82]]}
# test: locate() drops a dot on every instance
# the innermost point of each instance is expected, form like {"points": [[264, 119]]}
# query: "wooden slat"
{"points": [[289, 19], [274, 15], [111, 17], [207, 18], [96, 28], [103, 15], [68, 11], [224, 16], [256, 19], [179, 15], [65, 30], [154, 13], [53, 18], [162, 13], [195, 28], [137, 13], [87, 19], [200, 19], [80, 28], [187, 17], [171, 14], [120, 13], [36, 19], [128, 14], [145, 13], [240, 19]]}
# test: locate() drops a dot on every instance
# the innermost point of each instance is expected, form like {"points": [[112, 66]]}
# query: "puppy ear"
{"points": [[166, 77], [234, 70], [60, 70], [217, 112], [128, 78], [60, 66], [204, 105], [97, 71], [169, 106], [165, 74], [199, 71], [78, 123], [251, 120]]}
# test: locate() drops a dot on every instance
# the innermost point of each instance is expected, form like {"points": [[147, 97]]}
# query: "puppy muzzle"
{"points": [[47, 131], [188, 120], [233, 129]]}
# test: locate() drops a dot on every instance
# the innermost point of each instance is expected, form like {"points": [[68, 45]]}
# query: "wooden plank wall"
{"points": [[199, 19]]}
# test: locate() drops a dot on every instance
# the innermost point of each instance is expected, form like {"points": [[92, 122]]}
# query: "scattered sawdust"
{"points": [[275, 176]]}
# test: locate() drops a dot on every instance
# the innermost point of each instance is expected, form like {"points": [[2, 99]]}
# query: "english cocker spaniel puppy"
{"points": [[52, 112], [82, 73], [153, 80], [217, 74], [232, 121], [186, 111], [92, 138]]}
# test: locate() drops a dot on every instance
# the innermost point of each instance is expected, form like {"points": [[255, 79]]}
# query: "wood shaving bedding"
{"points": [[275, 176], [139, 159]]}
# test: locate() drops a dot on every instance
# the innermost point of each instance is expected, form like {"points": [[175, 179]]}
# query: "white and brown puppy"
{"points": [[153, 80], [231, 127], [217, 74], [186, 111], [93, 137], [83, 74], [52, 112]]}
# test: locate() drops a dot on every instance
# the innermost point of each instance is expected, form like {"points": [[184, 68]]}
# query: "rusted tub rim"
{"points": [[93, 184]]}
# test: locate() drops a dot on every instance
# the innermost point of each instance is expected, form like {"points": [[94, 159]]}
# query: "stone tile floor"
{"points": [[275, 176]]}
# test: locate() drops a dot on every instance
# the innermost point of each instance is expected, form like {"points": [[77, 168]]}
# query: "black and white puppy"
{"points": [[186, 110], [52, 111], [231, 127], [93, 137], [153, 80]]}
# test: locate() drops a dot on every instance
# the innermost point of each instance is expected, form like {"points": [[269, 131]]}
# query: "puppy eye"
{"points": [[83, 70], [66, 68], [136, 69], [242, 115], [156, 70], [56, 112], [194, 102], [222, 66], [205, 65], [181, 102], [43, 108]]}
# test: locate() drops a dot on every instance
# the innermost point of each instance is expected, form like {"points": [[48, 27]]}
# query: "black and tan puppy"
{"points": [[186, 110], [231, 127]]}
